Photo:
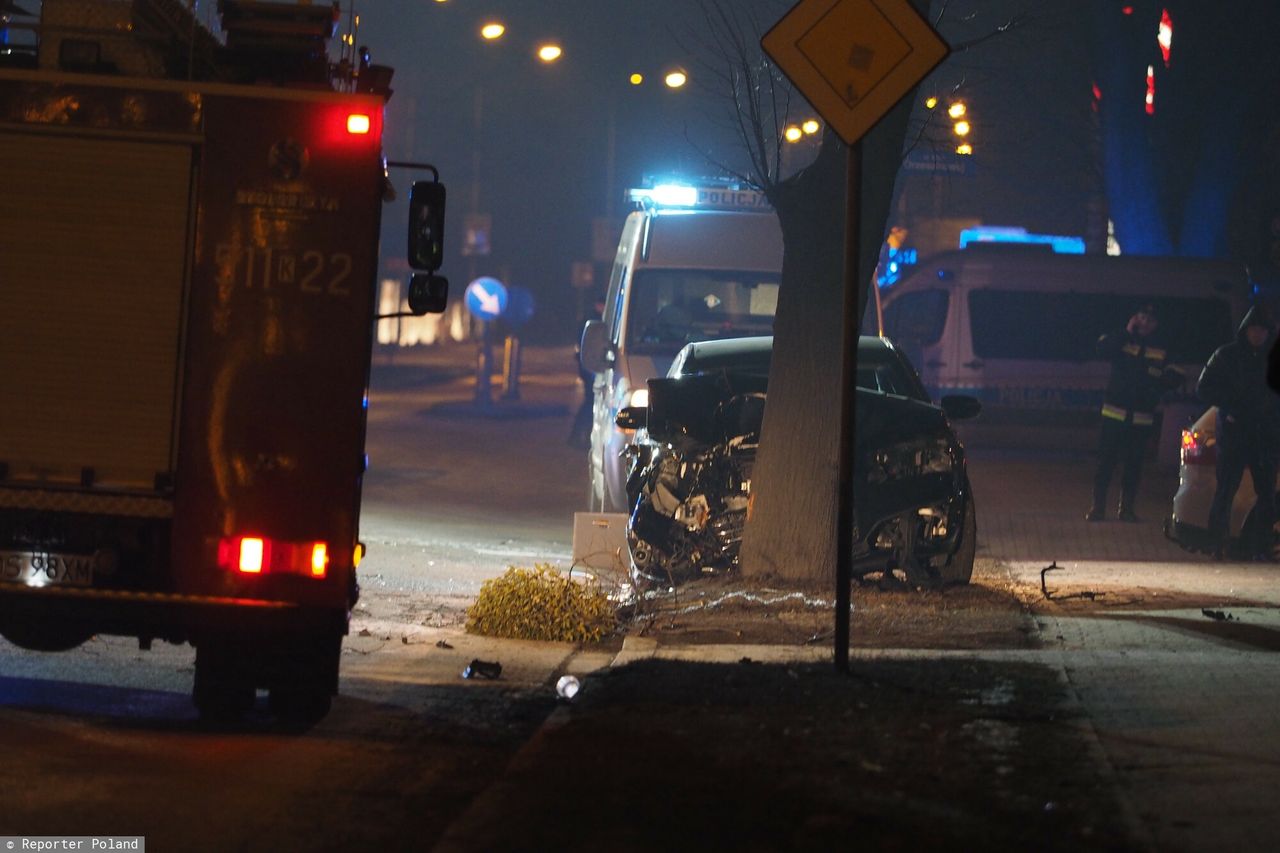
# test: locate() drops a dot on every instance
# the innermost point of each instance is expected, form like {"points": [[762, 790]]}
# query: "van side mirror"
{"points": [[428, 293], [960, 407], [594, 353], [426, 225], [632, 417]]}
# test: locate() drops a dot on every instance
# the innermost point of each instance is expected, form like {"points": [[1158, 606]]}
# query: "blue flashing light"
{"points": [[672, 196], [896, 263], [998, 234]]}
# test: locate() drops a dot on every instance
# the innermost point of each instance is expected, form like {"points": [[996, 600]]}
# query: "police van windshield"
{"points": [[670, 308]]}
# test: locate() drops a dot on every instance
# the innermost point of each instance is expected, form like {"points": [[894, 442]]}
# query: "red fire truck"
{"points": [[189, 230]]}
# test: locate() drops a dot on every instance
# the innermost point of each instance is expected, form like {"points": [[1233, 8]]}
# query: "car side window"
{"points": [[889, 373], [884, 378]]}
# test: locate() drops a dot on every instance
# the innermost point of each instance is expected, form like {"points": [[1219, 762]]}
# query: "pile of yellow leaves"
{"points": [[542, 604]]}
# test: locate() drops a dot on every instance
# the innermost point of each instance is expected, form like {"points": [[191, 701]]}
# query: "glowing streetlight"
{"points": [[962, 128], [549, 52], [492, 30], [957, 109], [810, 127], [930, 103], [636, 79], [676, 79], [793, 133], [964, 149]]}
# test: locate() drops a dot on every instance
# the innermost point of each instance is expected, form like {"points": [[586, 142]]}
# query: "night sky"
{"points": [[542, 143]]}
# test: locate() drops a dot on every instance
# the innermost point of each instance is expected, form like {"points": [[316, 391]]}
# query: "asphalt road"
{"points": [[1179, 704]]}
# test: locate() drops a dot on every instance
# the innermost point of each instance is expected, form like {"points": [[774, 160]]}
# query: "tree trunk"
{"points": [[791, 536]]}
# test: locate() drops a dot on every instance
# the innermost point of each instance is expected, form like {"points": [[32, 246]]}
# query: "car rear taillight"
{"points": [[255, 555], [1198, 449]]}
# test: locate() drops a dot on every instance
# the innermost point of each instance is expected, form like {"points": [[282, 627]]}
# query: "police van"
{"points": [[1016, 326], [692, 264]]}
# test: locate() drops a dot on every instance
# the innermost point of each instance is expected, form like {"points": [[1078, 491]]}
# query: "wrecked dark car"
{"points": [[690, 467]]}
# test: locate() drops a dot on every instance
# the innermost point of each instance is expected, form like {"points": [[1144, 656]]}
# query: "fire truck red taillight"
{"points": [[358, 123], [319, 560], [252, 555]]}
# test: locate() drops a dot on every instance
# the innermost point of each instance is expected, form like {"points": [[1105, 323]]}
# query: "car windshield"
{"points": [[879, 368], [670, 308]]}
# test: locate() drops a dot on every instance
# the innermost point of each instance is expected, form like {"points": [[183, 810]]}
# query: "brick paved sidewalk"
{"points": [[1031, 506]]}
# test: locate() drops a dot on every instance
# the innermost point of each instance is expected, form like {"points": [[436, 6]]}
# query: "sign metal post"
{"points": [[853, 60]]}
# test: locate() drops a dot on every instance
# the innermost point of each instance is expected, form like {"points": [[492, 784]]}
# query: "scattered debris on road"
{"points": [[567, 687], [482, 669], [1044, 588], [1219, 615]]}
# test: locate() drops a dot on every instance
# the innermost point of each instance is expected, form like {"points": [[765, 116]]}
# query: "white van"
{"points": [[1016, 326], [688, 269]]}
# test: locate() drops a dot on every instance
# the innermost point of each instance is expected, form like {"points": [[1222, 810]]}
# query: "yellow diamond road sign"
{"points": [[854, 59]]}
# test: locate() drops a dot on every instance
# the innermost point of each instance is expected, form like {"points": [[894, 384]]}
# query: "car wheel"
{"points": [[644, 563], [959, 567]]}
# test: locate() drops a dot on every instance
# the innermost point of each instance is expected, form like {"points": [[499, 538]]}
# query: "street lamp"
{"points": [[636, 79], [810, 127], [957, 110], [793, 133], [962, 128], [676, 78], [492, 30], [549, 52]]}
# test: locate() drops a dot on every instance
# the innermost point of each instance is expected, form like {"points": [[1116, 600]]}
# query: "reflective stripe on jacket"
{"points": [[1118, 414], [1140, 374]]}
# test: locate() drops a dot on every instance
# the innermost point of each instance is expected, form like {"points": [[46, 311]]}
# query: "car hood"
{"points": [[885, 418]]}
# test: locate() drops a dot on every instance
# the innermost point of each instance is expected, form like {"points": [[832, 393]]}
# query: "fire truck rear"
{"points": [[188, 252]]}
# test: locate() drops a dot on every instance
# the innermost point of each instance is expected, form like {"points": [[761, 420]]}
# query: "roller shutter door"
{"points": [[93, 236]]}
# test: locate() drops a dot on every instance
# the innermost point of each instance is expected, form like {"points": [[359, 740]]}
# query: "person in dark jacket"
{"points": [[1140, 375], [1248, 431]]}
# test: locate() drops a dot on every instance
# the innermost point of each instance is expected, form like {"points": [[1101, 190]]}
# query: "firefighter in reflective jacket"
{"points": [[1140, 375]]}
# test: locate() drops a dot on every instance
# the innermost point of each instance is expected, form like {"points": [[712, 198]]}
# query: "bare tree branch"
{"points": [[1006, 27]]}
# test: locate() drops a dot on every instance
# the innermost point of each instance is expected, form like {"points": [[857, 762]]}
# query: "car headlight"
{"points": [[915, 458]]}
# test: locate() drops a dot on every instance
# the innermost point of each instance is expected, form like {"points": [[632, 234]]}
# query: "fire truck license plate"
{"points": [[42, 568]]}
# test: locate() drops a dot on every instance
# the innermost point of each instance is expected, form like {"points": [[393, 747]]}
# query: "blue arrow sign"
{"points": [[486, 298]]}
